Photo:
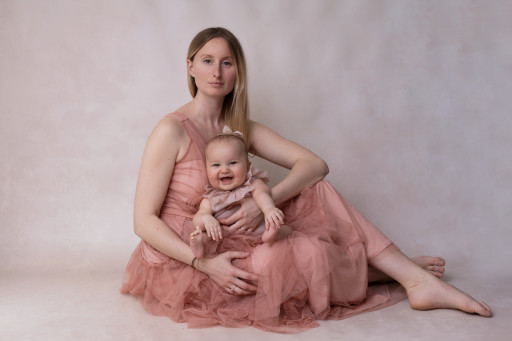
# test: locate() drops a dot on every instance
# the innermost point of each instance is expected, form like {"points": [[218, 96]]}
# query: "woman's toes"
{"points": [[439, 261], [487, 312]]}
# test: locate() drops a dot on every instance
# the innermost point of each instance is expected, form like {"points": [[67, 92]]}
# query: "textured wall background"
{"points": [[406, 100]]}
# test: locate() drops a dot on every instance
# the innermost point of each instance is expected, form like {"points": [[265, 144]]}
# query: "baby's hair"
{"points": [[228, 137]]}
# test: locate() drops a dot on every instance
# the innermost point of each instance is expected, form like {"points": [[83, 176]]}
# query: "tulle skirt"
{"points": [[320, 271]]}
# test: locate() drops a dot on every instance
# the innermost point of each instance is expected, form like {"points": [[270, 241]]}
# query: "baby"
{"points": [[231, 180]]}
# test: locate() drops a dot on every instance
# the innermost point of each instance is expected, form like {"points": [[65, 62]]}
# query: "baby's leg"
{"points": [[198, 242], [272, 236]]}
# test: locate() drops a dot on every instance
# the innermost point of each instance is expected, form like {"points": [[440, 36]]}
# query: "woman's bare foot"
{"points": [[197, 243], [424, 290], [432, 293], [433, 265]]}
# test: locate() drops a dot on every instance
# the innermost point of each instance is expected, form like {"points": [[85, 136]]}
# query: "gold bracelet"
{"points": [[192, 263]]}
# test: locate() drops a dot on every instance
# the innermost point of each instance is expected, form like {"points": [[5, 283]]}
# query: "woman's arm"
{"points": [[306, 168], [167, 144]]}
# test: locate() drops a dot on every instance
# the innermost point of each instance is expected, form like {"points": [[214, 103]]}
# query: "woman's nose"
{"points": [[216, 71]]}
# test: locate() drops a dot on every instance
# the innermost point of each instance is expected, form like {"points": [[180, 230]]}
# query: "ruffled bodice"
{"points": [[220, 199]]}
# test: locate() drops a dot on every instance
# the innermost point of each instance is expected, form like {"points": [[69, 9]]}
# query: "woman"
{"points": [[320, 271]]}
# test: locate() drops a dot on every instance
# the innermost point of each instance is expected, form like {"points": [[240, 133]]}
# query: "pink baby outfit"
{"points": [[320, 271], [225, 203]]}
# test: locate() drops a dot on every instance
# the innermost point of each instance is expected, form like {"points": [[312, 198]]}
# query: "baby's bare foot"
{"points": [[434, 265], [197, 243], [433, 293], [269, 236]]}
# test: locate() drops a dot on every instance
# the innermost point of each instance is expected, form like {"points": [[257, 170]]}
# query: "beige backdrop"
{"points": [[407, 101]]}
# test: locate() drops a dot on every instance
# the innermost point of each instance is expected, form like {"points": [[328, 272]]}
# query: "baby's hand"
{"points": [[212, 228], [274, 218]]}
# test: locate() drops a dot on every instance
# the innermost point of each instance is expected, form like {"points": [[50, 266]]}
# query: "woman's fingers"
{"points": [[240, 287], [239, 225], [223, 272], [235, 217], [239, 291], [247, 218], [239, 273], [246, 286]]}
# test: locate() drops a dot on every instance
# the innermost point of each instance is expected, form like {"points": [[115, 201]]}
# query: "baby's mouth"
{"points": [[226, 178]]}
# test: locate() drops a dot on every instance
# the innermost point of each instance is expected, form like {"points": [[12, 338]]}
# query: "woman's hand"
{"points": [[232, 279], [247, 218]]}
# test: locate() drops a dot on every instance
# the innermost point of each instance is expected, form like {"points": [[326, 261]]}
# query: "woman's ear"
{"points": [[190, 67]]}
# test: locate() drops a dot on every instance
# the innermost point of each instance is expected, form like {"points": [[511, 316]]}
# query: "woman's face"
{"points": [[226, 164], [213, 68]]}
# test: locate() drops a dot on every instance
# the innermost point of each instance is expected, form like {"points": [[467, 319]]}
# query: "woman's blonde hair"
{"points": [[235, 110]]}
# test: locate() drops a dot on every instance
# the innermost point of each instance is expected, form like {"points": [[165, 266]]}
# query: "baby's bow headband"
{"points": [[226, 130]]}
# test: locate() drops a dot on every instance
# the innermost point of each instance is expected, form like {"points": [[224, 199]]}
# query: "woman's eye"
{"points": [[207, 61], [226, 63]]}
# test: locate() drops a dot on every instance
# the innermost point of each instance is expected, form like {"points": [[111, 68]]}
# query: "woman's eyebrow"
{"points": [[207, 55]]}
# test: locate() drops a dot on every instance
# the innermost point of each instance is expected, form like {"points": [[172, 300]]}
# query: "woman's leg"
{"points": [[434, 265], [424, 290]]}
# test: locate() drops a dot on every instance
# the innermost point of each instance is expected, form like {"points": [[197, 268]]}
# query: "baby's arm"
{"points": [[205, 221], [274, 217]]}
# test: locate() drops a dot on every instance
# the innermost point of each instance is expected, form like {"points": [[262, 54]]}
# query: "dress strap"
{"points": [[179, 116], [192, 130]]}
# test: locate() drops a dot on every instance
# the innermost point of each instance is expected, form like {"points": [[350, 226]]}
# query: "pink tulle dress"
{"points": [[320, 271]]}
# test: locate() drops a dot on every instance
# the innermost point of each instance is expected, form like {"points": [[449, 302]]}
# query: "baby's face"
{"points": [[226, 165]]}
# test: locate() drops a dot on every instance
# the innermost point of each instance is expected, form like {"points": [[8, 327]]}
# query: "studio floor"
{"points": [[88, 306]]}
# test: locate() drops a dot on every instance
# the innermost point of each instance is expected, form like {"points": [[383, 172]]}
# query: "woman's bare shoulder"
{"points": [[169, 138], [170, 127]]}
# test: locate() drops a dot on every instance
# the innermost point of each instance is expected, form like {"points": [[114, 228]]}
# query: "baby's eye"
{"points": [[215, 165], [233, 163]]}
